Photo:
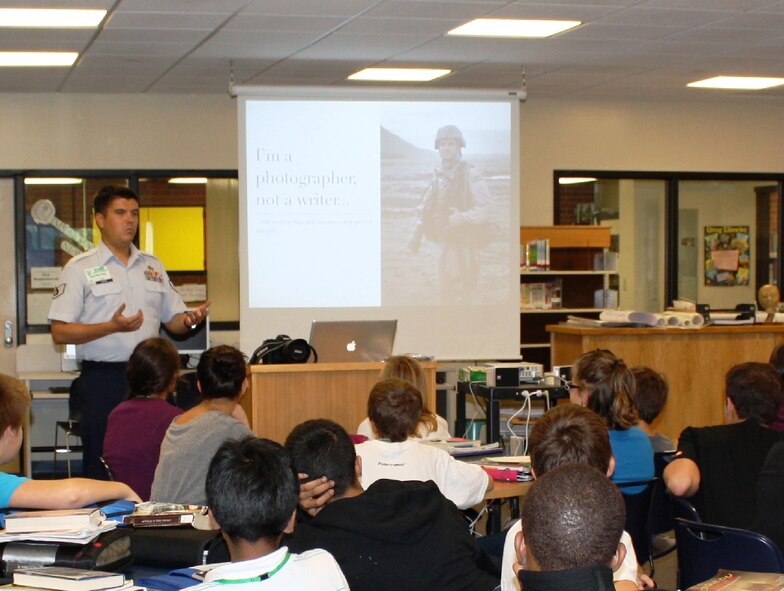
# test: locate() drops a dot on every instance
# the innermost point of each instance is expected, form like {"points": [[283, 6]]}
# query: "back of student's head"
{"points": [[394, 408], [252, 488], [103, 199], [321, 447], [572, 517], [756, 391], [569, 434], [610, 386], [650, 392], [153, 367], [14, 403], [407, 368], [221, 372]]}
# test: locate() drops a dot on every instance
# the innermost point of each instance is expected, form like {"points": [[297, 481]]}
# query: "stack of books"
{"points": [[152, 514], [76, 526], [62, 578]]}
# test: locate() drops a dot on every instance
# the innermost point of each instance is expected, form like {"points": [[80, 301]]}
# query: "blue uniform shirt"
{"points": [[94, 284]]}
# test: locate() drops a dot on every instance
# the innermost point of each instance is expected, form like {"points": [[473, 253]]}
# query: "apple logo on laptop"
{"points": [[352, 346]]}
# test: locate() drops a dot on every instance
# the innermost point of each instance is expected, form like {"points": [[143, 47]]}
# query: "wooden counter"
{"points": [[694, 361], [282, 396]]}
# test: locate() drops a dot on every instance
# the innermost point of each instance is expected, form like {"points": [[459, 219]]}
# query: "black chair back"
{"points": [[704, 548], [638, 508]]}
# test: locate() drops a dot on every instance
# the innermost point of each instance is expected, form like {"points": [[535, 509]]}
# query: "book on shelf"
{"points": [[65, 578], [152, 514], [535, 255], [52, 520], [741, 581], [541, 296]]}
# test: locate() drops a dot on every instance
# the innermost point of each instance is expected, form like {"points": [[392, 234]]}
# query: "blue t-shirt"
{"points": [[633, 457], [8, 484]]}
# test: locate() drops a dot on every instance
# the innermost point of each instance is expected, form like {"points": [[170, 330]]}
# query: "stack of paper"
{"points": [[76, 526]]}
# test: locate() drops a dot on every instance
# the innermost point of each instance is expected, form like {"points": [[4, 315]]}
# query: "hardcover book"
{"points": [[63, 578], [54, 520]]}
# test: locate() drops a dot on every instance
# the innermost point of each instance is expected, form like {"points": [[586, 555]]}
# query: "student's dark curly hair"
{"points": [[572, 517]]}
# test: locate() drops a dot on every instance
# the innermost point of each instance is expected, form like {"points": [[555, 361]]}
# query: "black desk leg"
{"points": [[460, 414], [493, 434]]}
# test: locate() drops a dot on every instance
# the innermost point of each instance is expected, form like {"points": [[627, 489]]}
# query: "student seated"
{"points": [[137, 426], [431, 426], [393, 535], [777, 361], [572, 520], [252, 495], [395, 409], [569, 434], [717, 467], [194, 436], [649, 396], [604, 383], [18, 492]]}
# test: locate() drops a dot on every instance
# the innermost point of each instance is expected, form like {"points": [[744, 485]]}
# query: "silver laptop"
{"points": [[338, 341]]}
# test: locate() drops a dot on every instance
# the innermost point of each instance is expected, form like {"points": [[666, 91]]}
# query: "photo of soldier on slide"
{"points": [[456, 222]]}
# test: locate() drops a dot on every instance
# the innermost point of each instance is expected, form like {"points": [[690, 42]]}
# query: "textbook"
{"points": [[154, 514], [741, 581], [65, 578], [54, 520]]}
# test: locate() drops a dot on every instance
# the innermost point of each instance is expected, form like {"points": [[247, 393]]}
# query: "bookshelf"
{"points": [[577, 257]]}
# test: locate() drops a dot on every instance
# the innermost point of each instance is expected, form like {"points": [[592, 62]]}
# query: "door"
{"points": [[8, 273]]}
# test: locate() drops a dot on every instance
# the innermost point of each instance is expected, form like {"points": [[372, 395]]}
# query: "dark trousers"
{"points": [[99, 388]]}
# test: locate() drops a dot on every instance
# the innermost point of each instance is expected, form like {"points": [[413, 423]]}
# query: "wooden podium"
{"points": [[694, 361], [282, 396]]}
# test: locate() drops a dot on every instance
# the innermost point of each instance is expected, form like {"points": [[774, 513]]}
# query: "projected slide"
{"points": [[378, 203]]}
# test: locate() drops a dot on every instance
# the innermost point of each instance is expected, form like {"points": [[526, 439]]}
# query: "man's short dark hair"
{"points": [[756, 391], [650, 394], [569, 433], [394, 408], [572, 517], [103, 199], [252, 489], [321, 447]]}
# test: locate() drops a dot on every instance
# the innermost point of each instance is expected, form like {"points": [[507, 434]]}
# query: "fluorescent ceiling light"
{"points": [[32, 180], [399, 74], [737, 82], [575, 180], [37, 58], [188, 180], [50, 17], [503, 27]]}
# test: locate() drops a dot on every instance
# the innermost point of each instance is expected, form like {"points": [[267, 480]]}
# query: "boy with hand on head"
{"points": [[252, 495], [23, 493], [572, 518], [573, 434]]}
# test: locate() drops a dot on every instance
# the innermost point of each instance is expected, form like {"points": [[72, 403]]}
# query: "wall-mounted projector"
{"points": [[514, 374]]}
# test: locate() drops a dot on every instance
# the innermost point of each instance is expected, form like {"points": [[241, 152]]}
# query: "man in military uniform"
{"points": [[453, 214], [108, 300]]}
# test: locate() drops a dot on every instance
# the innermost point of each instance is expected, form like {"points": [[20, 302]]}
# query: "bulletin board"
{"points": [[727, 255]]}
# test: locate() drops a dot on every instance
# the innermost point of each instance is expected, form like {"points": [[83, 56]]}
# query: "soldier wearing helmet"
{"points": [[453, 214]]}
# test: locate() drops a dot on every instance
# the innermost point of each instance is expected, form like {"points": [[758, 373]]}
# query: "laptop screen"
{"points": [[339, 341]]}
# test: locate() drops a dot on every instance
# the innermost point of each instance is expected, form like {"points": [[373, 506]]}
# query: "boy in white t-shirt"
{"points": [[394, 409], [252, 492]]}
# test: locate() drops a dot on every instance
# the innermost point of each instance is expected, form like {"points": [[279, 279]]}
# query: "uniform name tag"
{"points": [[96, 275]]}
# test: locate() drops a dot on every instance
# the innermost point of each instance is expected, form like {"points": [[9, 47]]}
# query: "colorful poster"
{"points": [[727, 253]]}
